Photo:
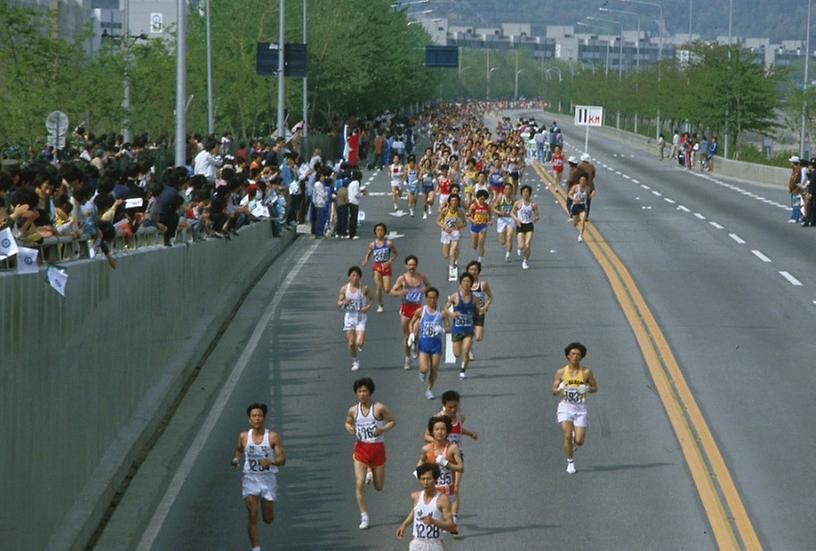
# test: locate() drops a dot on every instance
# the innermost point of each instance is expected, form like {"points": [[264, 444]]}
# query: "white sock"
{"points": [[256, 548]]}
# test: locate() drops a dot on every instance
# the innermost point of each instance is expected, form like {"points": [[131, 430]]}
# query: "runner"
{"points": [[443, 185], [259, 485], [430, 513], [525, 214], [410, 286], [367, 421], [355, 302], [481, 290], [579, 195], [465, 308], [383, 252], [428, 326], [444, 454], [558, 165], [428, 181], [410, 177], [505, 225], [495, 178], [469, 181], [572, 382], [451, 220], [395, 170], [450, 408], [587, 166], [479, 216]]}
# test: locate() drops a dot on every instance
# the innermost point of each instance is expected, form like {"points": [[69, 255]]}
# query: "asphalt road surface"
{"points": [[740, 332]]}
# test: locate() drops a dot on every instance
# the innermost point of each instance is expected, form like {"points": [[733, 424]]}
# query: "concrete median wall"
{"points": [[86, 379]]}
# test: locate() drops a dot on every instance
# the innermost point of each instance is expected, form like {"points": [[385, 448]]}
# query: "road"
{"points": [[738, 329]]}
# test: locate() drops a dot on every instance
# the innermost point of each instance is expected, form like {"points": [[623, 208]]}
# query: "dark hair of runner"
{"points": [[432, 468], [411, 158], [355, 270], [452, 196], [256, 405], [474, 263], [466, 275], [450, 396], [366, 382], [454, 188], [430, 290], [439, 419], [411, 257], [576, 346], [380, 225], [528, 188], [508, 184], [482, 193]]}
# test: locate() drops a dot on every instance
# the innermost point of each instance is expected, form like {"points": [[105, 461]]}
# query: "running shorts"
{"points": [[504, 222], [265, 486], [478, 320], [577, 209], [382, 269], [525, 228], [370, 453], [575, 415], [427, 188], [458, 337], [477, 228], [447, 238], [418, 544], [412, 187], [443, 198], [397, 184], [430, 346], [408, 309], [514, 175], [354, 321]]}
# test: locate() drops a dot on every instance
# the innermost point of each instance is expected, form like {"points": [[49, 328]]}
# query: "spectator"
{"points": [[661, 147], [379, 151], [341, 203], [711, 151], [354, 192], [320, 196], [206, 162], [169, 202], [675, 150], [795, 188]]}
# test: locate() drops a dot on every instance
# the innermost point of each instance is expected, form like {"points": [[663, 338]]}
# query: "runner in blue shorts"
{"points": [[411, 178], [428, 327]]}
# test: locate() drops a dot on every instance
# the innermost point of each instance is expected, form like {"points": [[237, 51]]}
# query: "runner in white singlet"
{"points": [[355, 302], [430, 515], [263, 454], [525, 213]]}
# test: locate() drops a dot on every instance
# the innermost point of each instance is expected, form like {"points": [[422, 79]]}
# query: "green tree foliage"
{"points": [[363, 58]]}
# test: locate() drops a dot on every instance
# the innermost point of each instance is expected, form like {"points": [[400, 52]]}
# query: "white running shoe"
{"points": [[414, 352], [518, 252], [507, 256], [479, 259], [359, 349], [411, 211], [462, 375], [369, 478], [355, 365], [470, 355], [363, 521], [424, 215], [571, 467], [423, 377], [380, 308], [407, 364], [524, 265], [429, 394], [580, 238]]}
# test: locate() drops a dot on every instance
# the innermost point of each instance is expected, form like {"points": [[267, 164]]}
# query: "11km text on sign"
{"points": [[588, 115]]}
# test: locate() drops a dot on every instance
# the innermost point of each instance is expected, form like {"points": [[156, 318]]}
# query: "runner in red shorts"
{"points": [[367, 421], [383, 252], [411, 287]]}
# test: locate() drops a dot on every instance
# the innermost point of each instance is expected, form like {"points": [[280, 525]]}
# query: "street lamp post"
{"points": [[804, 86], [181, 82], [305, 85], [637, 43], [281, 64], [210, 108], [606, 60], [515, 87], [659, 47], [620, 51]]}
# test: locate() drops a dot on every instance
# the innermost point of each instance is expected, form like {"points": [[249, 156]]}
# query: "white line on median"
{"points": [[163, 509], [671, 201], [761, 256], [626, 176], [737, 238], [657, 193], [683, 208], [716, 225], [635, 181], [700, 216], [644, 186], [793, 281]]}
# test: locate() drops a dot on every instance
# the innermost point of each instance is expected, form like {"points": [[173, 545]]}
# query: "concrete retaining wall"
{"points": [[86, 379]]}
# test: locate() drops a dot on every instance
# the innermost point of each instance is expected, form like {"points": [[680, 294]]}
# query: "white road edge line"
{"points": [[716, 225], [683, 208], [700, 216], [162, 511], [635, 181], [760, 256], [644, 186], [670, 201], [793, 281], [737, 238]]}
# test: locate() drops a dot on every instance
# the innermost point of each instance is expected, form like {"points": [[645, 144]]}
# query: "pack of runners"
{"points": [[468, 180]]}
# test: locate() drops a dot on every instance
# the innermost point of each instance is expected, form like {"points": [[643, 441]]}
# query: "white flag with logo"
{"points": [[57, 278], [27, 260], [8, 246]]}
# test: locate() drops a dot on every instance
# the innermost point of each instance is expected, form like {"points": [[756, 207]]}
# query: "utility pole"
{"points": [[181, 82], [804, 87], [210, 108], [281, 71], [126, 51], [727, 113], [305, 85]]}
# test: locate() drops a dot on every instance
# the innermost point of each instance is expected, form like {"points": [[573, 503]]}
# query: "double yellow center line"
{"points": [[726, 513]]}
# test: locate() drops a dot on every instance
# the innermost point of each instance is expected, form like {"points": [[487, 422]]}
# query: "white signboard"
{"points": [[588, 115], [156, 23]]}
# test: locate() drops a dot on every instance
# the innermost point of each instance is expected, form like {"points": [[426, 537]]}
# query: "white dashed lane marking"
{"points": [[716, 225], [793, 281], [760, 256], [700, 216], [683, 208], [737, 238]]}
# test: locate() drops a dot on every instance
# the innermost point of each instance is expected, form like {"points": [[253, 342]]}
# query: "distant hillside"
{"points": [[777, 19]]}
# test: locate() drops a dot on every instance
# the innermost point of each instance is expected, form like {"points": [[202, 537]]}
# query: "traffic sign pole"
{"points": [[586, 140]]}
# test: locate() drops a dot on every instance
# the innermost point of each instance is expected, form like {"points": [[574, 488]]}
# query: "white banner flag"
{"points": [[8, 246], [57, 278], [27, 260]]}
